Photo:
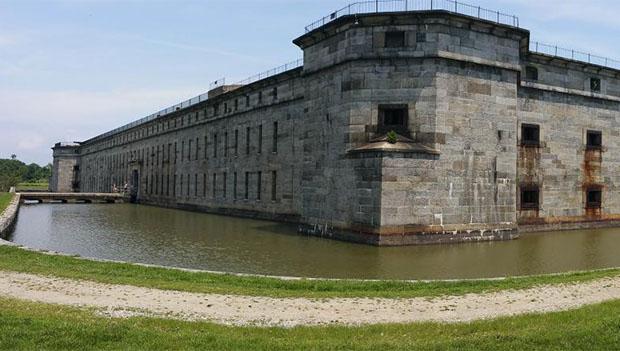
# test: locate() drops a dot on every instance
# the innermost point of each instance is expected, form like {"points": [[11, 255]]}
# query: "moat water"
{"points": [[194, 240]]}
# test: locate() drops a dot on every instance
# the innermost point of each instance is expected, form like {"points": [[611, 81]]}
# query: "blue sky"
{"points": [[72, 69]]}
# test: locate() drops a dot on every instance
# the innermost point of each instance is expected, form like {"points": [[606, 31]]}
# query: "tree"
{"points": [[13, 157]]}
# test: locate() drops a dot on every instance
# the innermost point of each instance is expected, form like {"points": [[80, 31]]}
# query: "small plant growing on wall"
{"points": [[392, 137]]}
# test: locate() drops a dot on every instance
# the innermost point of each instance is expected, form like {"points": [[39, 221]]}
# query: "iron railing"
{"points": [[375, 6], [200, 98], [554, 50], [272, 72]]}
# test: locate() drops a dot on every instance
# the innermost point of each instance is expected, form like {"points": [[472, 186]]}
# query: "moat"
{"points": [[193, 240]]}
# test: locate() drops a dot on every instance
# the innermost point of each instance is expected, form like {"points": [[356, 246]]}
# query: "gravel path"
{"points": [[125, 301]]}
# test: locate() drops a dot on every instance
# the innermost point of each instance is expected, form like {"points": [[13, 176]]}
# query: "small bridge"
{"points": [[43, 197]]}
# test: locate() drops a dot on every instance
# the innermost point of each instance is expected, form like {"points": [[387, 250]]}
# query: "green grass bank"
{"points": [[20, 260], [35, 326], [5, 200]]}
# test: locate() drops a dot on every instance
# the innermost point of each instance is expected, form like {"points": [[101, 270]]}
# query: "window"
{"points": [[594, 197], [225, 108], [196, 184], [225, 180], [260, 97], [274, 146], [595, 85], [259, 185], [214, 184], [275, 93], [530, 134], [260, 138], [420, 37], [216, 109], [215, 145], [395, 39], [225, 144], [189, 150], [274, 189], [235, 186], [531, 73], [236, 104], [236, 142], [204, 185], [594, 140], [247, 185], [174, 186], [247, 140], [182, 150], [247, 101], [393, 118], [530, 197]]}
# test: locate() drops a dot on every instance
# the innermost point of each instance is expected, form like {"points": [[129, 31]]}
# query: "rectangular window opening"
{"points": [[530, 134], [595, 85], [530, 197], [393, 118], [395, 39], [594, 198], [594, 140]]}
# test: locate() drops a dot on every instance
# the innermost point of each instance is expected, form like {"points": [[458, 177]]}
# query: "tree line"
{"points": [[13, 172]]}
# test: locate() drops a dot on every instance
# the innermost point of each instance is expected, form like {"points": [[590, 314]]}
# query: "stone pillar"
{"points": [[66, 168]]}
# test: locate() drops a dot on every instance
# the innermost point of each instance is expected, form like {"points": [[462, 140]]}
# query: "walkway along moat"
{"points": [[193, 240]]}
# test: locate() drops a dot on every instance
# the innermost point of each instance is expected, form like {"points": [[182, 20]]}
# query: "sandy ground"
{"points": [[126, 301]]}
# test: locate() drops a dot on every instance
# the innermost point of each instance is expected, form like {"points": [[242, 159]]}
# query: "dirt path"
{"points": [[124, 301]]}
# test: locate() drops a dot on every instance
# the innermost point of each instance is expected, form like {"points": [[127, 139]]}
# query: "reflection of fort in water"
{"points": [[169, 237], [493, 134]]}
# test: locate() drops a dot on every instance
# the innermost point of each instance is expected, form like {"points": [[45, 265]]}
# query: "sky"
{"points": [[73, 69]]}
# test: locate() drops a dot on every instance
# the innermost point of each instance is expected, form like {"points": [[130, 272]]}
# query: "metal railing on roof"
{"points": [[200, 98], [272, 72], [375, 6], [554, 50]]}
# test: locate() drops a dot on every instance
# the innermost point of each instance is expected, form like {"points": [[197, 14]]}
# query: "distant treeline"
{"points": [[13, 172]]}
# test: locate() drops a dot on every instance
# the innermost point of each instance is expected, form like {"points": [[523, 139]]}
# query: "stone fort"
{"points": [[403, 125]]}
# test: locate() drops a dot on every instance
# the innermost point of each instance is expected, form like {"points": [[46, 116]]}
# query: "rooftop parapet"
{"points": [[574, 55], [377, 6]]}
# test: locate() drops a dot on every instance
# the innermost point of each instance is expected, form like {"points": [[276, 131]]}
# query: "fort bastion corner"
{"points": [[400, 127]]}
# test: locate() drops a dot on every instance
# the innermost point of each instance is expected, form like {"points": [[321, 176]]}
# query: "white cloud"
{"points": [[32, 121]]}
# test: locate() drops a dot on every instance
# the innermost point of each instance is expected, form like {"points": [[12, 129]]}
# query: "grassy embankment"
{"points": [[5, 199], [20, 260], [32, 187], [34, 326]]}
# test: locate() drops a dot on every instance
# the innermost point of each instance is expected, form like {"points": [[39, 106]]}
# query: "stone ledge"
{"points": [[7, 218], [562, 90]]}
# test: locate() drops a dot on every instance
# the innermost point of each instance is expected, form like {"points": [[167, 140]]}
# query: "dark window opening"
{"points": [[393, 118], [531, 73], [236, 104], [595, 85], [530, 197], [247, 185], [260, 97], [594, 198], [530, 134], [275, 93], [259, 185], [274, 186], [420, 37], [247, 101], [274, 146], [594, 140], [395, 39]]}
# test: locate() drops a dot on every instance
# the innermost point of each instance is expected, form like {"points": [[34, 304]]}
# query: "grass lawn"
{"points": [[34, 326], [5, 199], [32, 186], [20, 260]]}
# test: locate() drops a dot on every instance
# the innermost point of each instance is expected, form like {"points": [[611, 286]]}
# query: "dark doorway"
{"points": [[135, 185]]}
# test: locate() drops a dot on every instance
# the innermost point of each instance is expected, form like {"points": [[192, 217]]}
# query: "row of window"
{"points": [[192, 150], [530, 136], [531, 74], [180, 121], [530, 197], [167, 185]]}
